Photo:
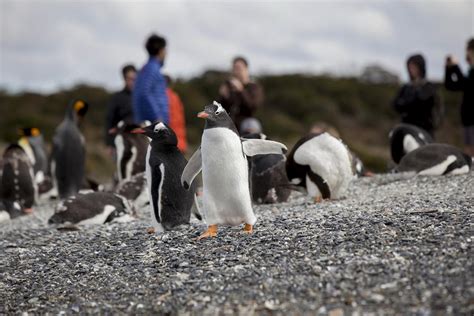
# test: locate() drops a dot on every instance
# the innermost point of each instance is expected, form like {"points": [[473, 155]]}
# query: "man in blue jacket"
{"points": [[150, 102]]}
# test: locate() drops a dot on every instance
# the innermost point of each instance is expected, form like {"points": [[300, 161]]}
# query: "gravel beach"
{"points": [[394, 245]]}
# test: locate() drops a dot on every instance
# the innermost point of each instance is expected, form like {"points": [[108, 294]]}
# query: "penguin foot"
{"points": [[210, 232], [151, 230], [318, 199], [248, 229], [28, 210]]}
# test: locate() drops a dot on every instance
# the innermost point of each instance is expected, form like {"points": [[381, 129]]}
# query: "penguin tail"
{"points": [[195, 209]]}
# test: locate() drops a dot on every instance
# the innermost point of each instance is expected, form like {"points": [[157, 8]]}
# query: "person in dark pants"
{"points": [[240, 96], [120, 106], [418, 101], [456, 81]]}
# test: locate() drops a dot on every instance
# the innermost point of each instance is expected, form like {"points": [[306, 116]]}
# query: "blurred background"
{"points": [[340, 62]]}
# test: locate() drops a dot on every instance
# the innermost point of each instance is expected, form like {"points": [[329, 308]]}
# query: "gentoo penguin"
{"points": [[436, 159], [322, 164], [32, 142], [405, 138], [18, 180], [93, 208], [69, 154], [268, 180], [9, 210], [164, 165], [223, 160], [135, 190]]}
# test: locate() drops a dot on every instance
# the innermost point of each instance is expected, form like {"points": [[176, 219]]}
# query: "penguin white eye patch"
{"points": [[220, 109], [159, 127]]}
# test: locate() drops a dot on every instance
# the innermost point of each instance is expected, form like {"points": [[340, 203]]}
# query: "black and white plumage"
{"points": [[322, 164], [268, 179], [358, 167], [405, 138], [18, 180], [436, 159], [93, 208], [9, 210], [69, 153], [131, 150], [222, 157], [33, 144], [135, 190], [171, 203]]}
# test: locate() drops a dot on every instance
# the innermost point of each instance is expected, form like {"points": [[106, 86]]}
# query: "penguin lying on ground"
{"points": [[268, 179], [18, 180], [223, 160], [405, 138], [69, 154], [134, 190], [9, 210], [93, 208], [436, 159], [322, 164], [164, 165], [131, 150]]}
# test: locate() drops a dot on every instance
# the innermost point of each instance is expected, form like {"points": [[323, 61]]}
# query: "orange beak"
{"points": [[113, 130], [203, 115], [138, 131]]}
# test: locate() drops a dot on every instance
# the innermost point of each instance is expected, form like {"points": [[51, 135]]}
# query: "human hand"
{"points": [[236, 84]]}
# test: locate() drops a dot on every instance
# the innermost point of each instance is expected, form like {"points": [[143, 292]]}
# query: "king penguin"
{"points": [[69, 153], [322, 164], [32, 142], [222, 157], [405, 138], [171, 203]]}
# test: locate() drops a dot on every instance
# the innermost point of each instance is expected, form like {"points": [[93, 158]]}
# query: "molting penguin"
{"points": [[436, 159], [405, 138], [69, 153], [135, 190], [268, 179], [18, 180], [322, 164], [9, 210], [164, 165], [93, 208], [32, 142], [131, 150], [222, 158]]}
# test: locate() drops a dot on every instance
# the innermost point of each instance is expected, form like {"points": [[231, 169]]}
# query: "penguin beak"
{"points": [[113, 130], [203, 115], [138, 131]]}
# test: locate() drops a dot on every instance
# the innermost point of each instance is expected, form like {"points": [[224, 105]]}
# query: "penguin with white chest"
{"points": [[405, 138], [322, 164], [171, 203], [69, 153], [222, 158]]}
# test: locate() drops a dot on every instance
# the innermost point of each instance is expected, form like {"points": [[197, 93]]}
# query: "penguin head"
{"points": [[124, 126], [216, 116], [29, 132], [159, 133], [77, 109]]}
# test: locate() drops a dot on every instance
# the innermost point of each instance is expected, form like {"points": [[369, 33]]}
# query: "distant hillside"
{"points": [[359, 110]]}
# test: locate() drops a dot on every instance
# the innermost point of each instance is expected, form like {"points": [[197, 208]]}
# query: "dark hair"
{"points": [[128, 68], [155, 44], [419, 61], [242, 59], [470, 44]]}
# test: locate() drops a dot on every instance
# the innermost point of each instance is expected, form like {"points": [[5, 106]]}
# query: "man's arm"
{"points": [[454, 79]]}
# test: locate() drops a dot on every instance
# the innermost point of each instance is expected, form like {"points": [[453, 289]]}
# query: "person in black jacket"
{"points": [[418, 101], [455, 80], [120, 106]]}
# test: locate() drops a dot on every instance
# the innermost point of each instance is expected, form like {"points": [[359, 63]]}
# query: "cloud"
{"points": [[46, 44]]}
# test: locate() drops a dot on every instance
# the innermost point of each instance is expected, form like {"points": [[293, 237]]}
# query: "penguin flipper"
{"points": [[254, 147], [192, 169]]}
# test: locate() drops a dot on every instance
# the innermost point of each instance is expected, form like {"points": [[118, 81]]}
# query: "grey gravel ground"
{"points": [[393, 246]]}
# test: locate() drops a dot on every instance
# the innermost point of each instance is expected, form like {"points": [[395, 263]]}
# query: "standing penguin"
{"points": [[164, 165], [405, 138], [18, 181], [131, 150], [322, 164], [69, 153], [32, 142], [223, 160]]}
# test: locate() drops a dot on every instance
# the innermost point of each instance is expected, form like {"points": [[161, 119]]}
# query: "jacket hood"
{"points": [[418, 60]]}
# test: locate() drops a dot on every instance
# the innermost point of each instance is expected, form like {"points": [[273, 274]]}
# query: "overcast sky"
{"points": [[48, 44]]}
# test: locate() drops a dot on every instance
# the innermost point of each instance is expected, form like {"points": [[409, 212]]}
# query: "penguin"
{"points": [[405, 138], [222, 157], [131, 150], [32, 142], [9, 210], [69, 154], [268, 180], [358, 168], [135, 190], [93, 208], [321, 163], [164, 165], [18, 180], [436, 159]]}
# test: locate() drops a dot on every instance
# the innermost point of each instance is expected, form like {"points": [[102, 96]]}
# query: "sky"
{"points": [[46, 45]]}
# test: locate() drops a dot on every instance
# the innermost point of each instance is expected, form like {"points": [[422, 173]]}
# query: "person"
{"points": [[120, 105], [456, 81], [176, 114], [240, 96], [418, 101], [150, 102]]}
